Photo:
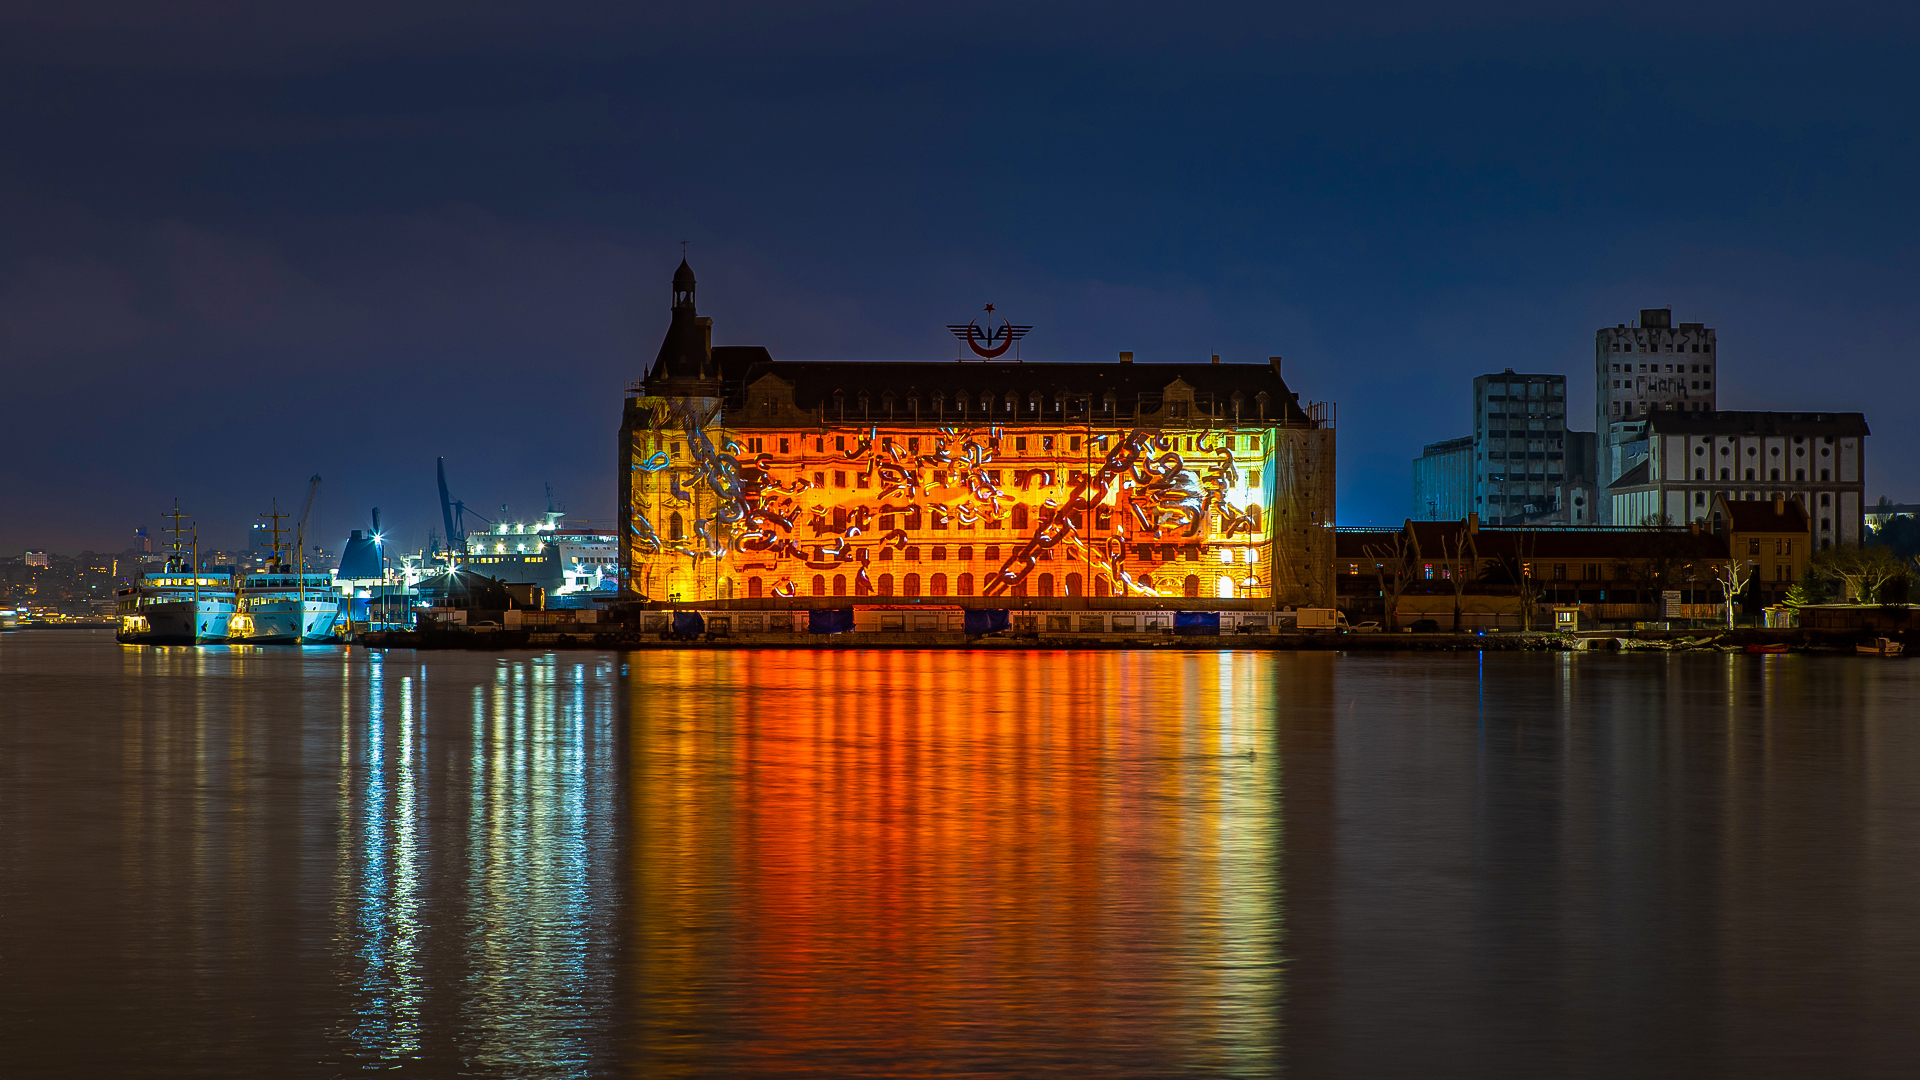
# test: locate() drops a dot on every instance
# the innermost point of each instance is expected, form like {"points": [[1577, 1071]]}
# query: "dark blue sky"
{"points": [[239, 246]]}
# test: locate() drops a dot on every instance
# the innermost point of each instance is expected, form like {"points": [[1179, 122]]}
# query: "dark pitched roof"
{"points": [[1754, 515], [1638, 476], [816, 381], [1434, 542], [1757, 423]]}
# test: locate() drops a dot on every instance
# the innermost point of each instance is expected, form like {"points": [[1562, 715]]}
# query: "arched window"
{"points": [[1253, 512], [1699, 474], [1799, 474], [1749, 474], [676, 528], [839, 584], [966, 554], [1103, 518], [819, 585], [913, 520], [753, 588], [1019, 517], [726, 588], [1826, 474], [861, 587], [886, 554], [1193, 585], [913, 584], [1146, 581], [1100, 586], [1726, 474], [939, 585], [886, 584], [1224, 587], [1073, 585], [1774, 474], [1046, 584], [965, 585], [913, 554], [1020, 589]]}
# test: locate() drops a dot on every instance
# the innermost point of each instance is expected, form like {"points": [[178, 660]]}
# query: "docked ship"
{"points": [[285, 605], [181, 604]]}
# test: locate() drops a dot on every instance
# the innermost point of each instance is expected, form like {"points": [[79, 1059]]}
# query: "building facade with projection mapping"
{"points": [[752, 482]]}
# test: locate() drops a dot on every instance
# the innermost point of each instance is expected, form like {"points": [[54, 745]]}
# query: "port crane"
{"points": [[453, 514]]}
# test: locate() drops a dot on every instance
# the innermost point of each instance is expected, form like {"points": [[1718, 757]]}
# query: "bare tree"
{"points": [[1733, 577], [1864, 572], [1392, 567], [1516, 565], [1463, 557]]}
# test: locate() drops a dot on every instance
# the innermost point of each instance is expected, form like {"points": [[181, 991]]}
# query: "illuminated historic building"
{"points": [[745, 478]]}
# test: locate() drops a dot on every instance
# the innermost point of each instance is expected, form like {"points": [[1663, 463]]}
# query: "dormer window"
{"points": [[886, 402], [1033, 402], [1013, 402], [939, 404], [863, 405], [1109, 402]]}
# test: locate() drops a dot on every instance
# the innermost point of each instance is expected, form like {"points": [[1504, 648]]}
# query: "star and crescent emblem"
{"points": [[988, 341]]}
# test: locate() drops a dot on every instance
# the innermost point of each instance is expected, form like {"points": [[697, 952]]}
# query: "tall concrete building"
{"points": [[1639, 370], [1521, 469], [1443, 480]]}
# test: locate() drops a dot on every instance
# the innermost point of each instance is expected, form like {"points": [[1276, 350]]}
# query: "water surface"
{"points": [[293, 862]]}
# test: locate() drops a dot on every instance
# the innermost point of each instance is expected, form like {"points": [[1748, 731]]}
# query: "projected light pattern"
{"points": [[886, 510]]}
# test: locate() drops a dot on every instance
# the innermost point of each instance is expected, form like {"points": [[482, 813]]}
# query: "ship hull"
{"points": [[181, 622], [291, 622]]}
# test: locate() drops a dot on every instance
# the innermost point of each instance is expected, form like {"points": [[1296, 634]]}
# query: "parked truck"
{"points": [[1329, 619]]}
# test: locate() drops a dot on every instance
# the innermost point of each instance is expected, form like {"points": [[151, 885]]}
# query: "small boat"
{"points": [[1881, 647], [1775, 647]]}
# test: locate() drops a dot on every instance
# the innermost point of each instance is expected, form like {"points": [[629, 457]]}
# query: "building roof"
{"points": [[1447, 446], [1757, 423], [689, 363], [815, 382], [1638, 476], [1436, 538], [1754, 515]]}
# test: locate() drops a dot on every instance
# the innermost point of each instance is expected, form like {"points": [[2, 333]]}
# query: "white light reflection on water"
{"points": [[499, 867]]}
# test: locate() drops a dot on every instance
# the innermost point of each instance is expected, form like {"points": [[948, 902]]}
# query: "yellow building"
{"points": [[1774, 538], [744, 478]]}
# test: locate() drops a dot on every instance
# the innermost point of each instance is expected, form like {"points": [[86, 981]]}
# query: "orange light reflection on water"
{"points": [[949, 862]]}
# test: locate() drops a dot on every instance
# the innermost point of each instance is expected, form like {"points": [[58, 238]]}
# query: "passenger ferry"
{"points": [[180, 605], [284, 605]]}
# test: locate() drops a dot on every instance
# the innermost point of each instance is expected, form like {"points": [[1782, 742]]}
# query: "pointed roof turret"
{"points": [[687, 351]]}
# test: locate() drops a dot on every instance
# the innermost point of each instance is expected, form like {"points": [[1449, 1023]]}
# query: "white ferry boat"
{"points": [[280, 606], [285, 605], [180, 605]]}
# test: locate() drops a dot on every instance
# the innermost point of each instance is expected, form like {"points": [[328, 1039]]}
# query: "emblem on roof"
{"points": [[990, 341]]}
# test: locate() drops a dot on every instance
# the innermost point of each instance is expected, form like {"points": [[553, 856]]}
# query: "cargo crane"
{"points": [[453, 514]]}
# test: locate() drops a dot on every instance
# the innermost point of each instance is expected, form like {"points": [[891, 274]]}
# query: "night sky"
{"points": [[241, 245]]}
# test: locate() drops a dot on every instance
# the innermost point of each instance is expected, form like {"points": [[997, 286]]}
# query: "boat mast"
{"points": [[174, 556], [196, 563], [277, 517]]}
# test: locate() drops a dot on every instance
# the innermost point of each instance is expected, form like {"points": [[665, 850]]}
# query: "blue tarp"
{"points": [[985, 620], [829, 620], [1196, 623], [689, 624]]}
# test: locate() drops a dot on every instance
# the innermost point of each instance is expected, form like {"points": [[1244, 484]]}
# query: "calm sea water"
{"points": [[287, 863]]}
